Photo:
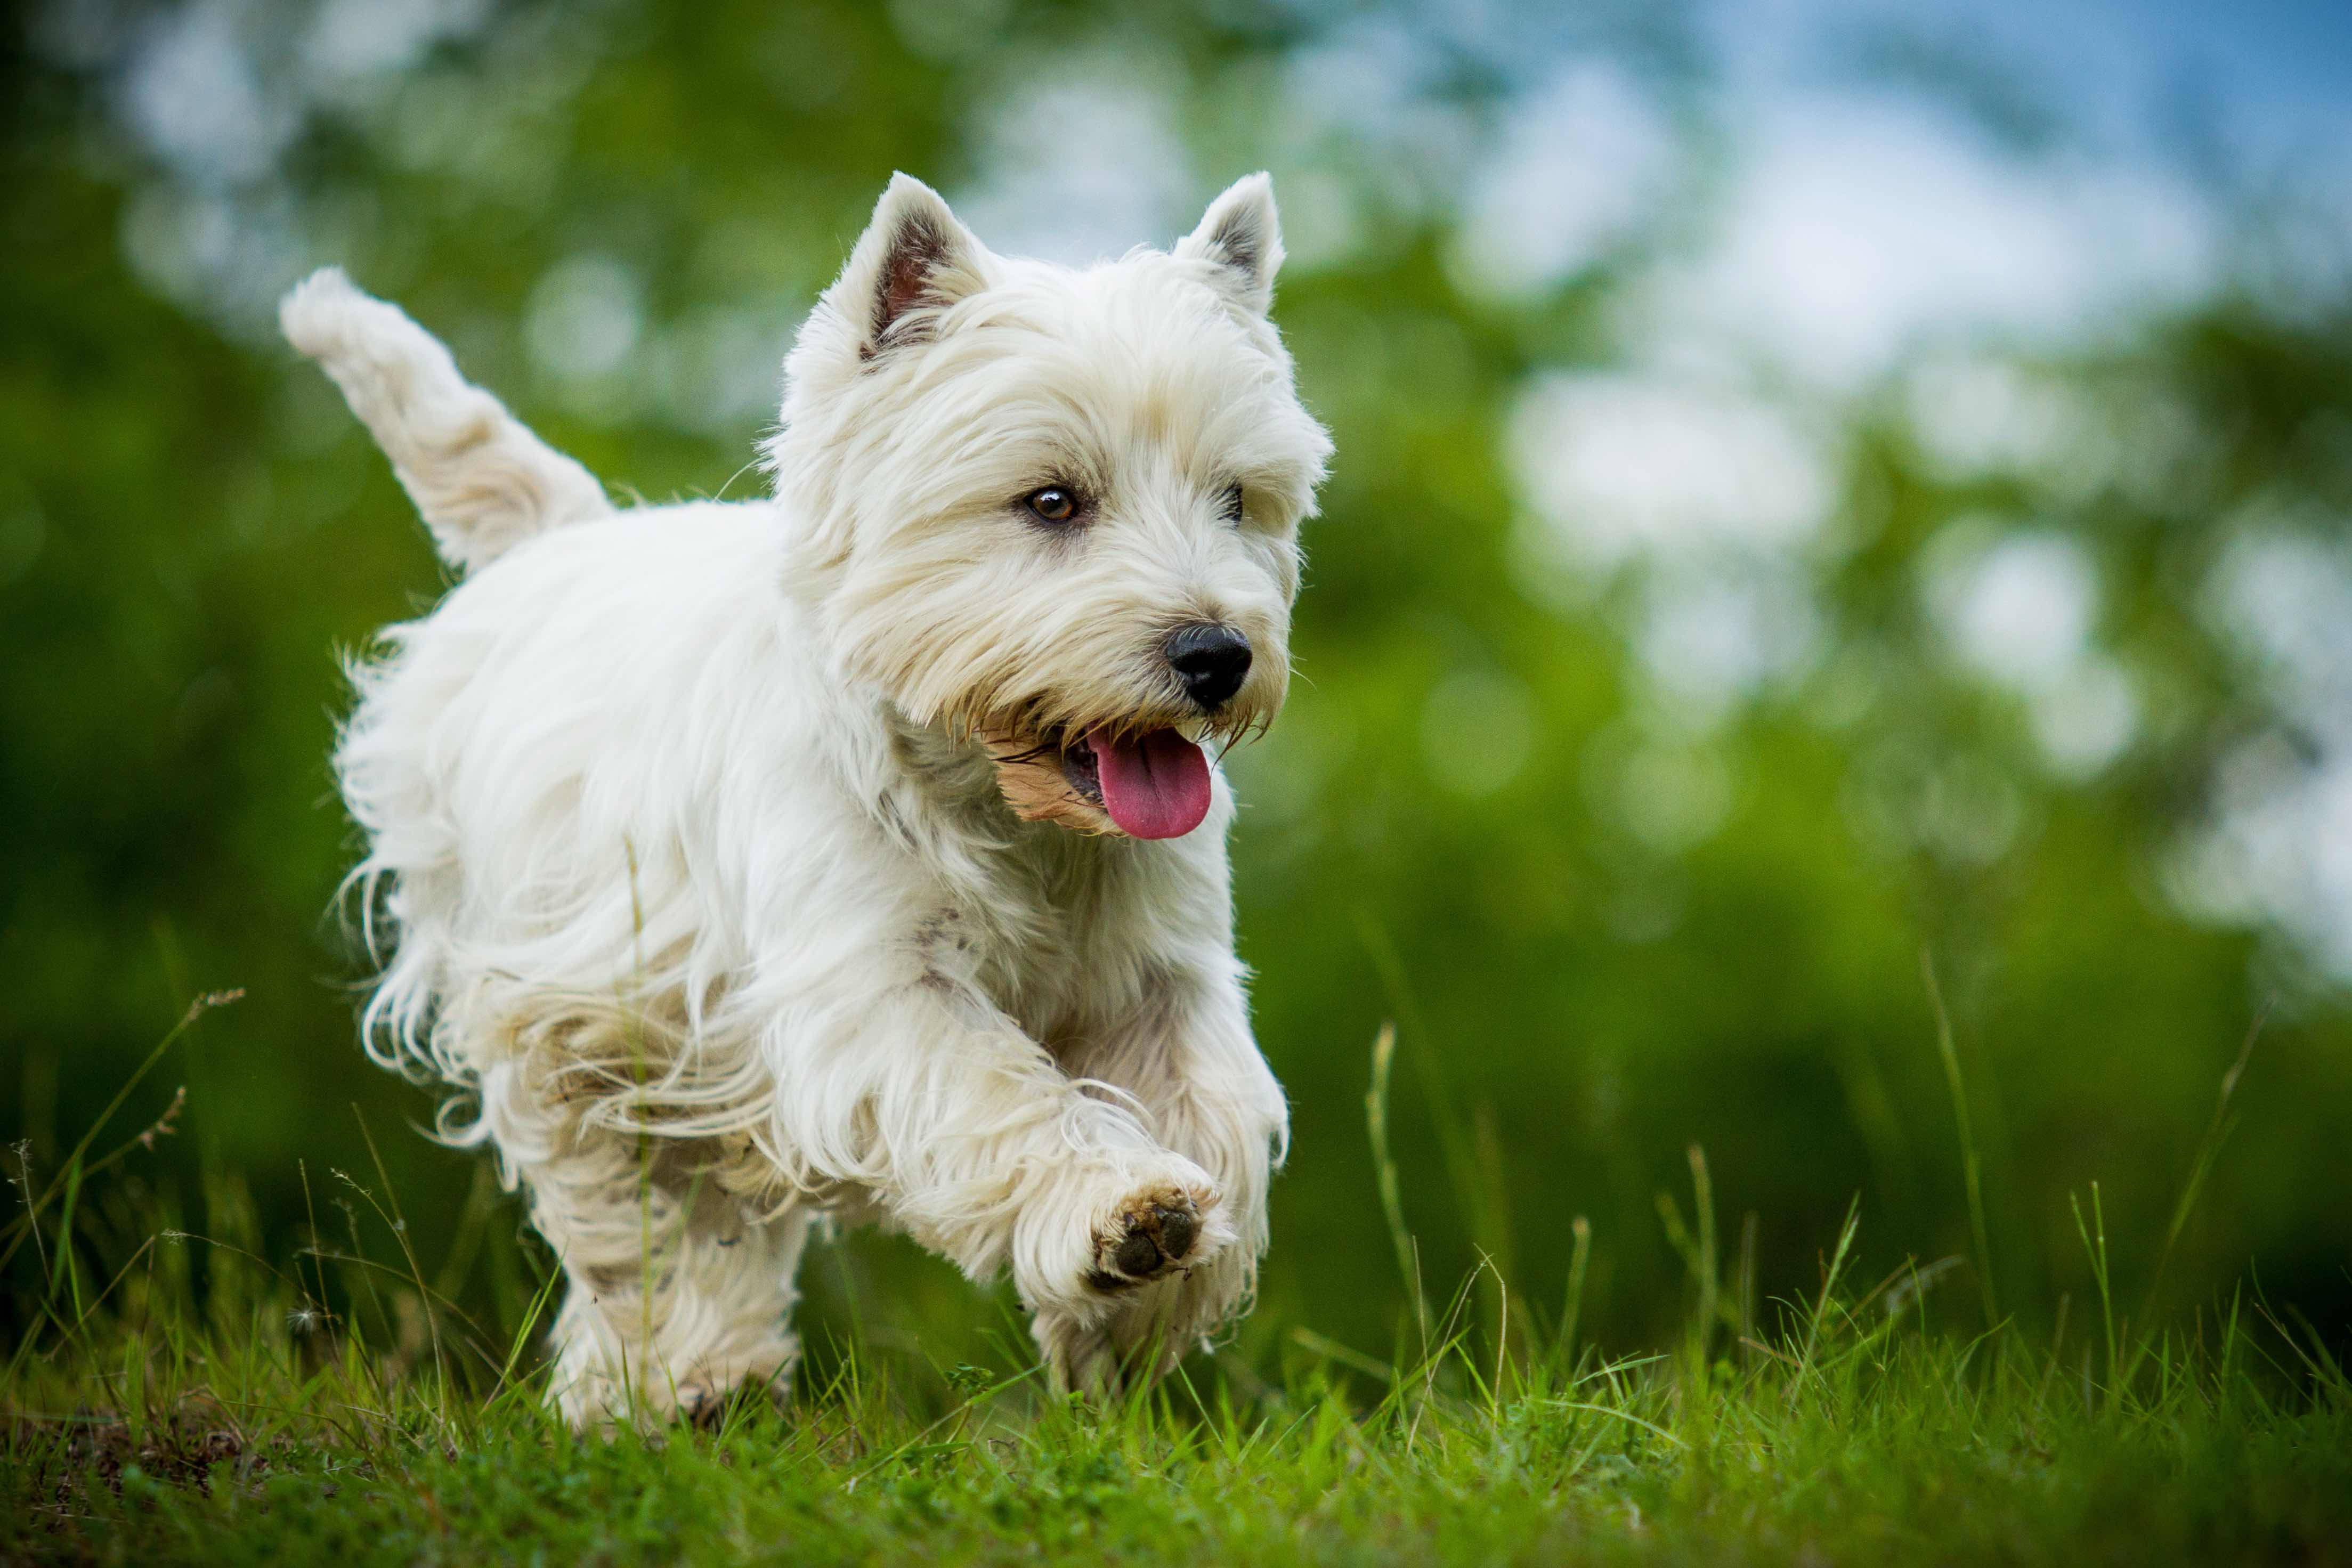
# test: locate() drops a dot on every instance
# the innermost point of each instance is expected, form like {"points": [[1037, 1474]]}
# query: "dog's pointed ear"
{"points": [[913, 258], [1243, 236]]}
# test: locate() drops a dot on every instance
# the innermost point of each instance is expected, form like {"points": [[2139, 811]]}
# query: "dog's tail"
{"points": [[483, 481]]}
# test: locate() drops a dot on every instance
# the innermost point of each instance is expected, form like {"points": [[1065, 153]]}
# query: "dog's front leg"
{"points": [[1188, 1057], [972, 1139]]}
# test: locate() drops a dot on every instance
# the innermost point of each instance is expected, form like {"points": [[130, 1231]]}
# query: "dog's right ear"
{"points": [[913, 260], [1242, 234]]}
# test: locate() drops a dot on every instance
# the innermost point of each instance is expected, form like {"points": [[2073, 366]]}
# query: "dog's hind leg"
{"points": [[679, 1293], [482, 480]]}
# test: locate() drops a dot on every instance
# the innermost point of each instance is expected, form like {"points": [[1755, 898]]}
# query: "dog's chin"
{"points": [[1159, 786]]}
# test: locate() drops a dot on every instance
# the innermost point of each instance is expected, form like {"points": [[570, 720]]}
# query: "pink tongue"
{"points": [[1155, 787]]}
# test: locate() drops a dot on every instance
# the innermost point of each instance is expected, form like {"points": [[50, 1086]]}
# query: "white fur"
{"points": [[688, 869], [482, 481]]}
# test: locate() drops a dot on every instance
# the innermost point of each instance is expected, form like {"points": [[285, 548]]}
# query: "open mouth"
{"points": [[1082, 767], [1152, 785]]}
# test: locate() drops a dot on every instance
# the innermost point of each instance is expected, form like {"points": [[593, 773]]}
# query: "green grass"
{"points": [[176, 1398]]}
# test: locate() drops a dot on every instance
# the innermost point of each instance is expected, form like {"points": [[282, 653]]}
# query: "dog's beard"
{"points": [[1106, 744]]}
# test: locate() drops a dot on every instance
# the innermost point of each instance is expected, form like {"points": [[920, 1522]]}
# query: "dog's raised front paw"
{"points": [[1153, 1234]]}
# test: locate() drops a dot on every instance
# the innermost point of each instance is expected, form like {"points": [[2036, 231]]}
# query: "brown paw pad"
{"points": [[1147, 1242], [708, 1410]]}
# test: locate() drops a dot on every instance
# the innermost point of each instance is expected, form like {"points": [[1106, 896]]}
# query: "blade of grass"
{"points": [[1579, 1256], [16, 1228], [398, 1222], [2209, 1148], [1376, 1116], [1971, 1163], [2095, 1246], [1836, 1266]]}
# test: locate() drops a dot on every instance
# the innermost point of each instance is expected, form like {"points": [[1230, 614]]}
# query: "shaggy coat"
{"points": [[747, 863]]}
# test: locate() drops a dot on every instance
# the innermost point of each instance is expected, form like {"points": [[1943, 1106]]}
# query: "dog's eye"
{"points": [[1228, 506], [1053, 504]]}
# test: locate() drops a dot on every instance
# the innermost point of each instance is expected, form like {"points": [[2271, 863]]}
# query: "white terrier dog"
{"points": [[852, 852]]}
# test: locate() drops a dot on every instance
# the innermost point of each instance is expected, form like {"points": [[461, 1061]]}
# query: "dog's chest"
{"points": [[1055, 940], [1055, 930]]}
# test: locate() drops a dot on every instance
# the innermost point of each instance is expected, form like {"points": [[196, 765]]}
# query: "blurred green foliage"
{"points": [[1607, 929]]}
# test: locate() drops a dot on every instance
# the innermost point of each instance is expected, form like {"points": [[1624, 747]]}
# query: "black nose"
{"points": [[1212, 661]]}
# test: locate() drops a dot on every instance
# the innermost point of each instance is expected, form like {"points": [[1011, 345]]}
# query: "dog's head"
{"points": [[1058, 511]]}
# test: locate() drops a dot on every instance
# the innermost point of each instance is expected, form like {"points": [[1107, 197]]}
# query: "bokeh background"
{"points": [[1825, 488]]}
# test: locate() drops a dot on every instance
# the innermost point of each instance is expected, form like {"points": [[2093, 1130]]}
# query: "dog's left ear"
{"points": [[914, 258], [1244, 237]]}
